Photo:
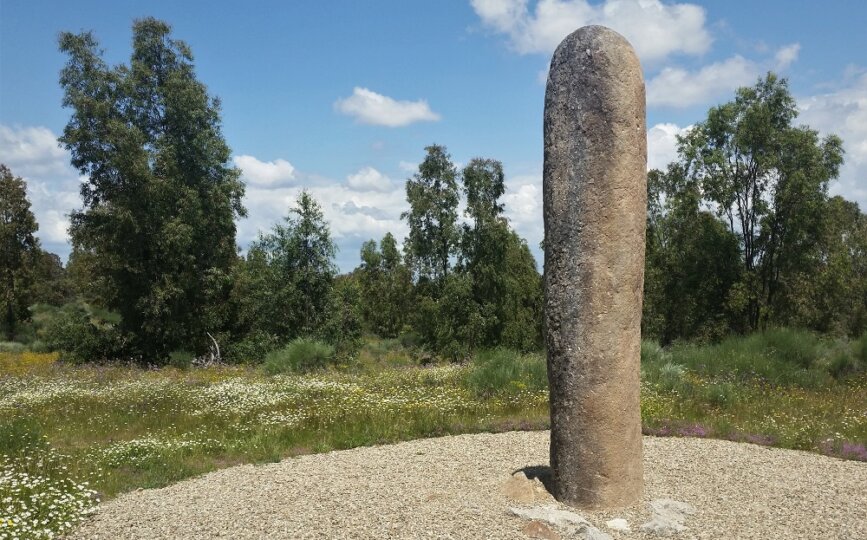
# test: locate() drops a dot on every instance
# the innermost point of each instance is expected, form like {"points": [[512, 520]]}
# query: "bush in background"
{"points": [[301, 355], [495, 370]]}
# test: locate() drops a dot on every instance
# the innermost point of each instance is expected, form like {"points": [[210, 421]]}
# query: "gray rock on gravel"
{"points": [[568, 522], [668, 517], [595, 209], [618, 524]]}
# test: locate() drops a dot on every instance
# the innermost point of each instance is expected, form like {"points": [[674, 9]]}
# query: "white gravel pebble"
{"points": [[452, 487]]}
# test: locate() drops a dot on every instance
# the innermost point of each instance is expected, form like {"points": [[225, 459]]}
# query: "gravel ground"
{"points": [[455, 487]]}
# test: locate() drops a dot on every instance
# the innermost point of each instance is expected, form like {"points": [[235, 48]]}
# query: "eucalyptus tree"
{"points": [[432, 194], [17, 245], [767, 179], [297, 259], [160, 196]]}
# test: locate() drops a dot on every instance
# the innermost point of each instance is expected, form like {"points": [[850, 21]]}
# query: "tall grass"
{"points": [[300, 356], [500, 370], [779, 357], [782, 387]]}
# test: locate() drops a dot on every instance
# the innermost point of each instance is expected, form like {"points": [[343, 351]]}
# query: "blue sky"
{"points": [[341, 97]]}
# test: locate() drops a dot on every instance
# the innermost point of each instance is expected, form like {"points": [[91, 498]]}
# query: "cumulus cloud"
{"points": [[369, 179], [523, 208], [33, 148], [264, 173], [408, 166], [655, 29], [662, 144], [676, 87], [843, 112], [368, 107], [787, 55], [353, 216], [33, 153]]}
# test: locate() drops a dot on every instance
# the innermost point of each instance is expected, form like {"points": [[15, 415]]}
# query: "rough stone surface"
{"points": [[595, 205], [668, 517], [519, 488], [451, 488], [537, 529]]}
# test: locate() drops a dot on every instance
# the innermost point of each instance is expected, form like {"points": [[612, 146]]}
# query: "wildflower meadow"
{"points": [[71, 436]]}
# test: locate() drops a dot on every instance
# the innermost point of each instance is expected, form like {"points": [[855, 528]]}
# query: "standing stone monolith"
{"points": [[595, 205]]}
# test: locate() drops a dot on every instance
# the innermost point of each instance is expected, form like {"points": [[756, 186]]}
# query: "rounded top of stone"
{"points": [[588, 43], [597, 35]]}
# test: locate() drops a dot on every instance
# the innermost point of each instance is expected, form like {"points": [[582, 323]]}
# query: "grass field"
{"points": [[70, 436]]}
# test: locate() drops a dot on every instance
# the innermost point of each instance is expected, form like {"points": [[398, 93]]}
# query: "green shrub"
{"points": [[80, 337], [301, 355], [848, 358], [39, 346], [181, 359], [497, 370], [720, 394], [651, 351], [670, 375], [796, 347], [782, 357], [252, 349], [410, 340], [12, 347], [860, 349]]}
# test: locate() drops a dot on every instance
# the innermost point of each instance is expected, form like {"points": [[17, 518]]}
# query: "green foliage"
{"points": [[827, 291], [493, 296], [386, 287], [181, 359], [778, 357], [500, 370], [767, 180], [432, 194], [80, 334], [456, 325], [342, 329], [287, 287], [12, 346], [17, 247], [50, 283], [691, 264], [251, 348], [505, 284], [161, 198], [301, 355]]}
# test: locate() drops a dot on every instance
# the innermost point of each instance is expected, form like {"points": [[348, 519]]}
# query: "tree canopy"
{"points": [[160, 197], [18, 247]]}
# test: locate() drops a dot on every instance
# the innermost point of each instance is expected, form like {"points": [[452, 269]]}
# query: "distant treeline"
{"points": [[741, 235]]}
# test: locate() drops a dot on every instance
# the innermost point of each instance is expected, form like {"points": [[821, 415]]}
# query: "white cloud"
{"points": [[33, 148], [369, 179], [264, 173], [33, 153], [368, 107], [662, 144], [523, 207], [655, 29], [676, 87], [408, 166], [844, 113], [787, 55], [353, 216]]}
